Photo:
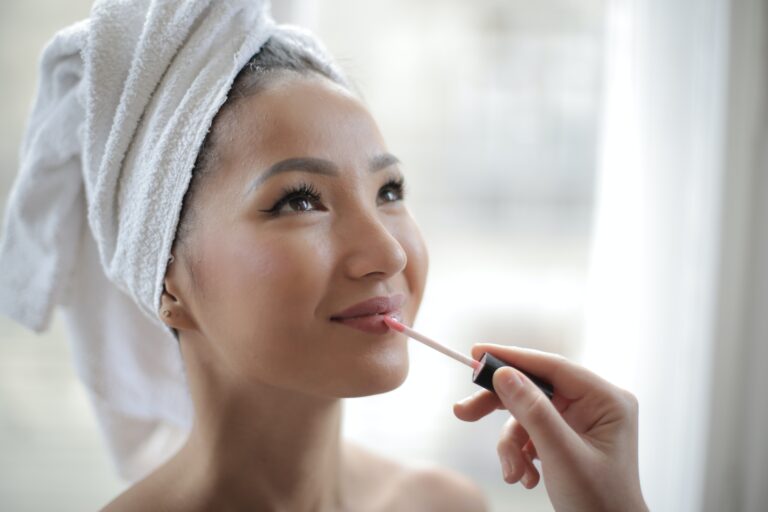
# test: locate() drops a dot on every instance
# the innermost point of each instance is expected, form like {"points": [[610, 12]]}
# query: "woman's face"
{"points": [[270, 267]]}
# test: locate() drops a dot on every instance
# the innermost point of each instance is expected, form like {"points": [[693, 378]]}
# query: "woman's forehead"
{"points": [[304, 116]]}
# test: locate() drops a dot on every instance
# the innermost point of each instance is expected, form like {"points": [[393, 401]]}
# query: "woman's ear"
{"points": [[173, 311]]}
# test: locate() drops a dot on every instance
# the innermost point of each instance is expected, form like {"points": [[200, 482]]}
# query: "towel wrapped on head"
{"points": [[125, 99]]}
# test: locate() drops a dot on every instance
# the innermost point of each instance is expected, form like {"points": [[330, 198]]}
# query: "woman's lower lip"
{"points": [[370, 323]]}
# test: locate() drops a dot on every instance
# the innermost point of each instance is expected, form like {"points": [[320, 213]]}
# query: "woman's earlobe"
{"points": [[167, 304], [173, 312]]}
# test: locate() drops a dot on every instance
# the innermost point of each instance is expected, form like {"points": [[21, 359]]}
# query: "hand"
{"points": [[585, 437]]}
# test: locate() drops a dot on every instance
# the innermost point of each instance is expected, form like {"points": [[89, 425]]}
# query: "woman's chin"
{"points": [[379, 378]]}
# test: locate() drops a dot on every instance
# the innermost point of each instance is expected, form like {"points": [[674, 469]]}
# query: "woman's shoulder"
{"points": [[416, 486], [432, 487]]}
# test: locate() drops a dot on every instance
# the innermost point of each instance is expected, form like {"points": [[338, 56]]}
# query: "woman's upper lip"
{"points": [[375, 306]]}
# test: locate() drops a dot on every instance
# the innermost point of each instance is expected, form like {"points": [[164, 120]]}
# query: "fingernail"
{"points": [[510, 381], [526, 479]]}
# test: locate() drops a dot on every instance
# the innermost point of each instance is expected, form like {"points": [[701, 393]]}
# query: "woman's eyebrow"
{"points": [[383, 161], [317, 166]]}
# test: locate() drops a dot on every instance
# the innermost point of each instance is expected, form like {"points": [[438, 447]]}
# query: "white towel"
{"points": [[124, 101]]}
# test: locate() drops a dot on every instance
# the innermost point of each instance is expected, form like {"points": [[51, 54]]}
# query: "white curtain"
{"points": [[737, 469], [678, 291]]}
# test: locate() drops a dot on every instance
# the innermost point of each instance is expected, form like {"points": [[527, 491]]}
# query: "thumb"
{"points": [[534, 411]]}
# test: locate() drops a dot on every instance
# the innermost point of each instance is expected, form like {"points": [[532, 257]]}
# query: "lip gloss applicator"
{"points": [[483, 369]]}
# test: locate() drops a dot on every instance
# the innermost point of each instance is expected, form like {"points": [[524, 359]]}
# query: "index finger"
{"points": [[568, 378]]}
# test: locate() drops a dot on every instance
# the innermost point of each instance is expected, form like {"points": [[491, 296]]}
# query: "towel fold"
{"points": [[124, 101]]}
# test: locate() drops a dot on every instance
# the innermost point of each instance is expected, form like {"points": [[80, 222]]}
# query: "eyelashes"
{"points": [[305, 194], [396, 185]]}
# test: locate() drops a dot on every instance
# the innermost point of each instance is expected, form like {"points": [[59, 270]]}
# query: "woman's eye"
{"points": [[303, 198], [299, 204], [392, 191], [389, 195], [306, 198]]}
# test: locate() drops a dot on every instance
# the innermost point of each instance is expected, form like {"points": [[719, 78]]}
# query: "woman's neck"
{"points": [[264, 448]]}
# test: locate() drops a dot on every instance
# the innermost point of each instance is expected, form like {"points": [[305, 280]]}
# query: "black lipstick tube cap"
{"points": [[483, 376]]}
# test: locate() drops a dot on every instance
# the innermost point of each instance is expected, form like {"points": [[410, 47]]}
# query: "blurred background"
{"points": [[590, 178]]}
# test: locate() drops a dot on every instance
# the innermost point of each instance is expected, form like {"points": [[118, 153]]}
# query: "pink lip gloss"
{"points": [[483, 369]]}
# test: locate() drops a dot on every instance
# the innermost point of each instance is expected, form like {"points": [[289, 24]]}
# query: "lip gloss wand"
{"points": [[483, 369]]}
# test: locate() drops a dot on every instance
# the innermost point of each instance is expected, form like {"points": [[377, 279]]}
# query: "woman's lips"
{"points": [[370, 323], [368, 315], [374, 306]]}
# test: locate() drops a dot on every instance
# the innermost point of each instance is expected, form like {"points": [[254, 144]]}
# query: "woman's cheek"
{"points": [[281, 283], [273, 275]]}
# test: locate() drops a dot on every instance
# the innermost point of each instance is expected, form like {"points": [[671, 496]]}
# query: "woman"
{"points": [[296, 213], [293, 227]]}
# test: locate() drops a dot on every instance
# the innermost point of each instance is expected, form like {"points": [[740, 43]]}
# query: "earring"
{"points": [[166, 313]]}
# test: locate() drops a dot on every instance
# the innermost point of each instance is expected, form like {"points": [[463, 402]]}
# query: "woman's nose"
{"points": [[372, 250]]}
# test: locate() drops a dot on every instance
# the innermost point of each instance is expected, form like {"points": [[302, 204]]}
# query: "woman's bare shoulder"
{"points": [[418, 487], [162, 489], [432, 487]]}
